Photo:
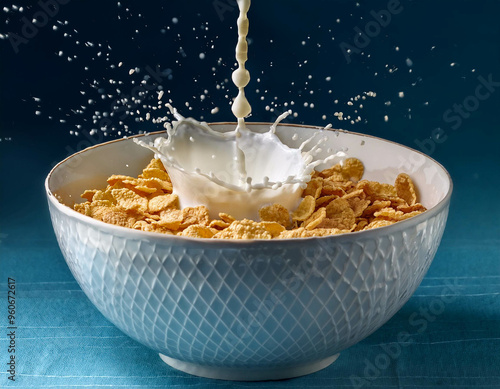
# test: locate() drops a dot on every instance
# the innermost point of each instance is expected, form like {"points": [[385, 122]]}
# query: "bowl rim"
{"points": [[114, 229]]}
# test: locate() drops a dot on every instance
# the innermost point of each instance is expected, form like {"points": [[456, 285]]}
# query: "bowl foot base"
{"points": [[248, 374]]}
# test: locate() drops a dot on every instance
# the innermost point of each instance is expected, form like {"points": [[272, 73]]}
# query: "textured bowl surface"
{"points": [[249, 310]]}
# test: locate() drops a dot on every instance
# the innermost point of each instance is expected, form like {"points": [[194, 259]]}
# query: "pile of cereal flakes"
{"points": [[335, 201]]}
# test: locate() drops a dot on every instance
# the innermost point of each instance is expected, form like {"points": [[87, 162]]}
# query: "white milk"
{"points": [[240, 171]]}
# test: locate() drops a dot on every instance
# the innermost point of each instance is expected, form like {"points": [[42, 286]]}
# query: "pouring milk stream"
{"points": [[239, 171]]}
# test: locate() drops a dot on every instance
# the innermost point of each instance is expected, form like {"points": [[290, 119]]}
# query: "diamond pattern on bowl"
{"points": [[264, 305]]}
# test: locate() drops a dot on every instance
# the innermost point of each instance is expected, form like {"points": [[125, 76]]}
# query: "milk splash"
{"points": [[238, 171], [203, 166]]}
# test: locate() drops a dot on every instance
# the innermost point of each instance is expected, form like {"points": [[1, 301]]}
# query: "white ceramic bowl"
{"points": [[249, 310]]}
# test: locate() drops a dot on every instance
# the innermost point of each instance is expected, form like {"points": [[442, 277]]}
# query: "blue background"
{"points": [[63, 341]]}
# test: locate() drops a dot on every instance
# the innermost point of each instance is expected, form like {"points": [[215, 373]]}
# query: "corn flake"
{"points": [[83, 208], [88, 195], [339, 215], [305, 233], [325, 200], [275, 229], [300, 232], [334, 173], [377, 205], [149, 227], [199, 231], [155, 173], [315, 219], [219, 224], [377, 189], [149, 185], [313, 188], [170, 219], [360, 224], [305, 209], [353, 169], [388, 213], [155, 163], [412, 208], [163, 202], [129, 200], [406, 189], [119, 178], [226, 217], [113, 215], [357, 205], [331, 188], [377, 223], [359, 193], [195, 215], [100, 195], [275, 213], [327, 231], [244, 229]]}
